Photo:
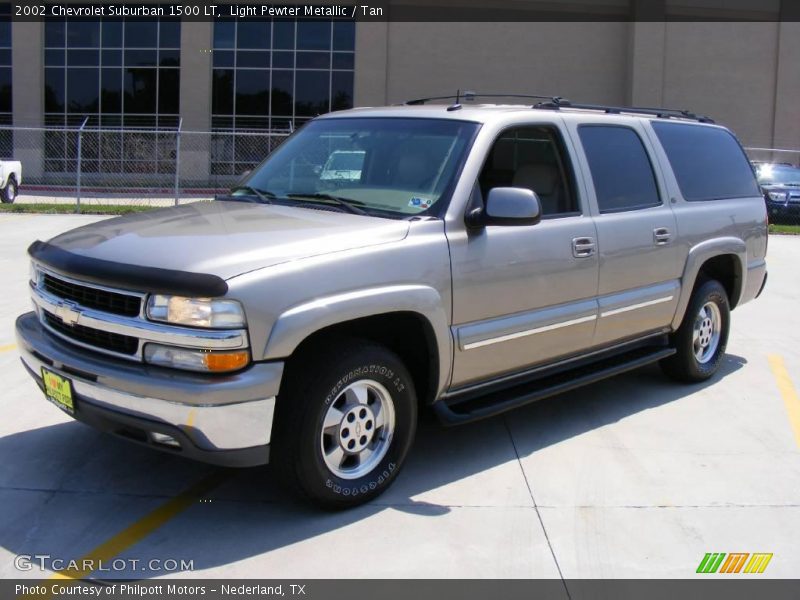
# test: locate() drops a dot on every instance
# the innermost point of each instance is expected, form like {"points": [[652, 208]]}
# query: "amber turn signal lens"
{"points": [[218, 362]]}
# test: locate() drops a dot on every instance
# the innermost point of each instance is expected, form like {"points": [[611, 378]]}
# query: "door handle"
{"points": [[583, 247], [661, 236]]}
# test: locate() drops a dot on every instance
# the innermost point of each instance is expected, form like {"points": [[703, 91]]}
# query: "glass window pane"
{"points": [[83, 58], [223, 58], [169, 33], [344, 35], [111, 90], [140, 58], [621, 170], [169, 58], [54, 58], [83, 91], [140, 90], [168, 91], [253, 34], [112, 33], [252, 59], [342, 90], [313, 60], [252, 96], [709, 163], [82, 34], [313, 35], [54, 33], [282, 93], [283, 32], [283, 60], [224, 34], [54, 90], [312, 93], [112, 58], [141, 34], [222, 92], [343, 60], [5, 89]]}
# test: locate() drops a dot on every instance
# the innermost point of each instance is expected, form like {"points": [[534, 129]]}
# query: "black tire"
{"points": [[9, 193], [685, 365], [319, 379]]}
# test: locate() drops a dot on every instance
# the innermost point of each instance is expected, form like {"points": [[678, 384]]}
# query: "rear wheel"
{"points": [[9, 193], [701, 339], [345, 422]]}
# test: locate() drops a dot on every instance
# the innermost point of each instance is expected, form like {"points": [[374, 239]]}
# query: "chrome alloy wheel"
{"points": [[707, 332], [357, 430]]}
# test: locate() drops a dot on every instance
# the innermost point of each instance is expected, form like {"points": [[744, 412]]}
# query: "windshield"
{"points": [[391, 166], [781, 175]]}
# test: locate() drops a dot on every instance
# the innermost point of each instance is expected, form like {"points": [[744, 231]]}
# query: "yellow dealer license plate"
{"points": [[58, 390]]}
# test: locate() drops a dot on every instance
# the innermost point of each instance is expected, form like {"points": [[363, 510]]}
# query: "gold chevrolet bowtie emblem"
{"points": [[69, 313]]}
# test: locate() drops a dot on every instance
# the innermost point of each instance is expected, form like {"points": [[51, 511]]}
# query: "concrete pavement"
{"points": [[632, 477]]}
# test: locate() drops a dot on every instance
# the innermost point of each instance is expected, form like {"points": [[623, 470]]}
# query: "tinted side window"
{"points": [[708, 163], [621, 170], [532, 158]]}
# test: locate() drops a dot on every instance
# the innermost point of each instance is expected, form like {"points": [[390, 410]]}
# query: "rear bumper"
{"points": [[223, 420]]}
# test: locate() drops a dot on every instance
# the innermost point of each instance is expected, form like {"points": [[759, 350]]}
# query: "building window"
{"points": [[6, 134], [118, 73], [275, 75]]}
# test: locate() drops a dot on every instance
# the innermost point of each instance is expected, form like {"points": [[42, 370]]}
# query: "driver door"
{"points": [[524, 295]]}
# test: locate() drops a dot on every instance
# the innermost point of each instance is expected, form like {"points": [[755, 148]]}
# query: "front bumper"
{"points": [[220, 419]]}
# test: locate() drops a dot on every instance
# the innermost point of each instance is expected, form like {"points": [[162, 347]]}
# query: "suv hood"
{"points": [[227, 238]]}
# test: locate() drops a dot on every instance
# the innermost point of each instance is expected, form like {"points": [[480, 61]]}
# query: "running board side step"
{"points": [[455, 411]]}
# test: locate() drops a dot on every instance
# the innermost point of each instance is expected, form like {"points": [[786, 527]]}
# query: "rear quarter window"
{"points": [[708, 162]]}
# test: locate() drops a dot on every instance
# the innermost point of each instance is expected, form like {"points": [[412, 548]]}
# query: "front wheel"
{"points": [[701, 339], [345, 422], [9, 193]]}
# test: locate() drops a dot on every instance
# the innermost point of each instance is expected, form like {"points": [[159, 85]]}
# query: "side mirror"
{"points": [[507, 206]]}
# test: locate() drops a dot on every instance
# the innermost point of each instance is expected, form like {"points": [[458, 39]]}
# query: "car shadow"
{"points": [[250, 515]]}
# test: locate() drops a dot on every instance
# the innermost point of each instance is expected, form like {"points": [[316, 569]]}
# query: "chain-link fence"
{"points": [[162, 167], [778, 172], [131, 166]]}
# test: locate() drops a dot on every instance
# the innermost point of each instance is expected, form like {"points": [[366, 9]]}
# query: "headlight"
{"points": [[778, 196], [196, 360], [196, 312]]}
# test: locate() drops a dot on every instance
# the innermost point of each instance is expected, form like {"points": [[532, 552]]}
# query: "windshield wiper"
{"points": [[264, 196], [353, 206]]}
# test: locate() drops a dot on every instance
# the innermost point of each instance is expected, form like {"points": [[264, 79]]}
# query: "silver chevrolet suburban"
{"points": [[474, 258]]}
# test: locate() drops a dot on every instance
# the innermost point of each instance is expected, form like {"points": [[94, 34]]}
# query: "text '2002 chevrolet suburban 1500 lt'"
{"points": [[468, 258]]}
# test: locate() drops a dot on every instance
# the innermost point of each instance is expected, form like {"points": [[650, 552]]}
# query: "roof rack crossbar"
{"points": [[469, 96]]}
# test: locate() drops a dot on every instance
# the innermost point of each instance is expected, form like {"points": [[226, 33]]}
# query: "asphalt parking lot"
{"points": [[634, 477]]}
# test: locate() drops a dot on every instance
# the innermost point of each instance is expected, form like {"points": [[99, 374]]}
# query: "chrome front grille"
{"points": [[105, 340], [93, 297]]}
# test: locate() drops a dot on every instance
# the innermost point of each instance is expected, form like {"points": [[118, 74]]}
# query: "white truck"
{"points": [[10, 178]]}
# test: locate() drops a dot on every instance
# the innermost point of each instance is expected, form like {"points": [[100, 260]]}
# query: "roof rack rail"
{"points": [[664, 113], [557, 102]]}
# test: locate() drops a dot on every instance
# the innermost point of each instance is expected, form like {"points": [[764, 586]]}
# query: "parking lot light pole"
{"points": [[78, 174]]}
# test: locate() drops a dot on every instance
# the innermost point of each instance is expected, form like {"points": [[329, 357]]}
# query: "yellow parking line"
{"points": [[142, 528], [790, 398], [7, 347]]}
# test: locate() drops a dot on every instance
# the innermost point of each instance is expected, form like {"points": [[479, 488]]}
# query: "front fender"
{"points": [[698, 255], [298, 322]]}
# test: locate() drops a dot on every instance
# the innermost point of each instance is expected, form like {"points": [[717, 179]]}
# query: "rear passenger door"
{"points": [[640, 266]]}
